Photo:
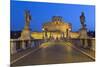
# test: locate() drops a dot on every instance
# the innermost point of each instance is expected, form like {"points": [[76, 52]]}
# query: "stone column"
{"points": [[81, 42], [50, 36], [43, 35], [13, 47], [67, 33], [32, 44], [45, 38], [84, 36], [23, 44], [85, 43], [93, 44]]}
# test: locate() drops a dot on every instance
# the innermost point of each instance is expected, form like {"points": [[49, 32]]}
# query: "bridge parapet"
{"points": [[17, 45], [89, 42]]}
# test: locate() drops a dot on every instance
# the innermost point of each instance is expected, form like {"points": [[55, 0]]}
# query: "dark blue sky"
{"points": [[43, 12]]}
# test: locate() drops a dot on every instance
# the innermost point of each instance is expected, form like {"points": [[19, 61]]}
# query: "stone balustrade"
{"points": [[85, 43], [17, 45]]}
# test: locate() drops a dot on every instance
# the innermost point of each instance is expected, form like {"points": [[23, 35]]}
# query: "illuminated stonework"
{"points": [[57, 24], [57, 28]]}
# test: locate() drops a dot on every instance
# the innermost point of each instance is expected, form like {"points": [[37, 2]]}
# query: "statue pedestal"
{"points": [[83, 33], [25, 37], [26, 34], [83, 37]]}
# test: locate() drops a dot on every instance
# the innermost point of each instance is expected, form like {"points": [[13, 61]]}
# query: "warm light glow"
{"points": [[56, 30], [37, 35], [43, 29]]}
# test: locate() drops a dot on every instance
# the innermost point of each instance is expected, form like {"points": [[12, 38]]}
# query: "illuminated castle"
{"points": [[56, 28]]}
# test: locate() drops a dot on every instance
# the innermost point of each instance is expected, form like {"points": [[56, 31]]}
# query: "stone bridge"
{"points": [[51, 51]]}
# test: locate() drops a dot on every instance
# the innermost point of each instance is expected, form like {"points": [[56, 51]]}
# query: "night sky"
{"points": [[43, 12]]}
